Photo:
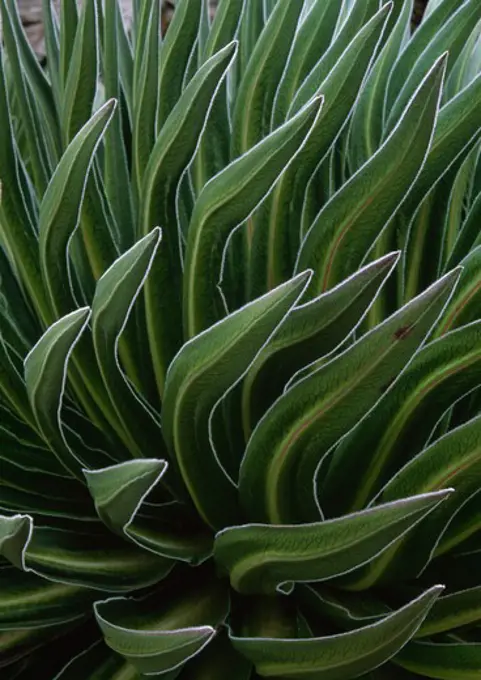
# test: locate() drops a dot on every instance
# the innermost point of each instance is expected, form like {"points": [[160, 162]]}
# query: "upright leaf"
{"points": [[277, 480], [226, 202], [205, 368], [347, 227]]}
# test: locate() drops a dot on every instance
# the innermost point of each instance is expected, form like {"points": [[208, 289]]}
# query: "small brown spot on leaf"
{"points": [[403, 332]]}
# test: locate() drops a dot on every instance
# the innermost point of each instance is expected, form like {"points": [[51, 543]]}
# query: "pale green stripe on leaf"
{"points": [[225, 202], [205, 368], [263, 558], [288, 444]]}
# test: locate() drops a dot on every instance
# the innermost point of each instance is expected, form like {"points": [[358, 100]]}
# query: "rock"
{"points": [[31, 13]]}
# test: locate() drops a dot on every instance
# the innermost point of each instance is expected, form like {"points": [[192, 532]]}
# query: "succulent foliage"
{"points": [[240, 342]]}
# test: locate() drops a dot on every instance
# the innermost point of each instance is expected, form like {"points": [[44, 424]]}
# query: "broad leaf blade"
{"points": [[114, 298], [225, 202], [61, 205], [119, 491], [285, 450], [81, 81], [176, 51], [117, 173], [366, 129], [80, 555], [201, 373], [262, 558], [453, 611], [173, 150], [257, 89], [121, 494], [339, 657], [277, 226], [315, 32], [45, 377], [146, 68], [438, 376], [312, 330], [30, 602], [161, 639], [347, 227], [449, 661]]}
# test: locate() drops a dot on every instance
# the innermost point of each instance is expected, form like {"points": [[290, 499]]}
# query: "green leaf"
{"points": [[52, 49], [176, 50], [38, 151], [121, 494], [464, 307], [314, 34], [449, 661], [224, 27], [60, 208], [450, 38], [205, 368], [146, 68], [218, 661], [338, 657], [449, 525], [45, 376], [401, 423], [81, 80], [253, 21], [99, 663], [417, 45], [116, 173], [120, 490], [213, 150], [17, 214], [68, 30], [453, 611], [461, 188], [468, 237], [157, 639], [262, 558], [126, 66], [57, 496], [285, 450], [456, 130], [277, 227], [15, 533], [257, 89], [80, 554], [463, 526], [225, 202], [347, 227], [312, 330], [454, 460], [28, 602], [347, 610], [365, 132], [12, 387], [38, 83], [172, 153], [114, 297], [348, 28]]}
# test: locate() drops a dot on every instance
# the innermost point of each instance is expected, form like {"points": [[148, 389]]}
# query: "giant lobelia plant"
{"points": [[240, 357]]}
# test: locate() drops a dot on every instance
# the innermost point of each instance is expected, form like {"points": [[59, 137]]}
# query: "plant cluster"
{"points": [[240, 342]]}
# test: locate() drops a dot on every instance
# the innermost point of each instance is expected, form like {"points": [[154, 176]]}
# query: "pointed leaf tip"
{"points": [[15, 533]]}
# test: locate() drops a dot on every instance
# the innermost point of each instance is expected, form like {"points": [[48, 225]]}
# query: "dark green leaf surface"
{"points": [[342, 656]]}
